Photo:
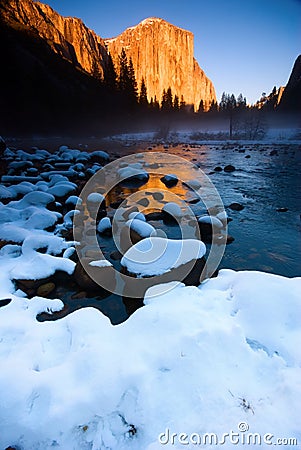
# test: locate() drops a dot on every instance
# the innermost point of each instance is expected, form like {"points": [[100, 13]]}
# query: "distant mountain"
{"points": [[163, 55], [55, 68], [43, 86], [291, 97]]}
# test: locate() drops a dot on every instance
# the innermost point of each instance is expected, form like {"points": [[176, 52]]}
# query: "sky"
{"points": [[243, 46]]}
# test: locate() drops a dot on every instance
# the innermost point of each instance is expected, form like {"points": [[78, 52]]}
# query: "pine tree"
{"points": [[201, 109], [169, 102], [156, 103], [213, 107], [163, 101], [110, 78], [143, 94], [241, 102], [132, 84], [123, 79], [182, 104], [176, 103]]}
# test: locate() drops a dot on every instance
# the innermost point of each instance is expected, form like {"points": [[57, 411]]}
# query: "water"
{"points": [[265, 240]]}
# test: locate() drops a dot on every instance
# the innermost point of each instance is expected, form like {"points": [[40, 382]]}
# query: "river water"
{"points": [[264, 239]]}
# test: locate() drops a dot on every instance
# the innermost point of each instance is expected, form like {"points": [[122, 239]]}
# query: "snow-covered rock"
{"points": [[156, 255], [104, 226], [170, 180]]}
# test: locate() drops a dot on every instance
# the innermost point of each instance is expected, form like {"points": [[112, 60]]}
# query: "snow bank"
{"points": [[142, 228], [194, 360], [156, 255], [173, 209], [211, 220], [104, 224]]}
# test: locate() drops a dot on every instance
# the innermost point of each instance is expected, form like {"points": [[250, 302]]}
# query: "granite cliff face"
{"points": [[162, 54], [67, 36], [291, 97]]}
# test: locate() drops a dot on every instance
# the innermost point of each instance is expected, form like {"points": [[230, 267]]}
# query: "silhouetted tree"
{"points": [[167, 103], [201, 107], [156, 104], [96, 72], [143, 94], [132, 84], [213, 107], [123, 79], [110, 79], [182, 104], [241, 103], [176, 103]]}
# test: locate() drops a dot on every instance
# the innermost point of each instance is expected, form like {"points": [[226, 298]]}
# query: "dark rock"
{"points": [[230, 239], [79, 295], [102, 275], [116, 255], [169, 181], [248, 156], [116, 204], [5, 301], [193, 201], [274, 152], [236, 206], [45, 289], [31, 287], [218, 169], [158, 196], [157, 215], [143, 202], [282, 209], [4, 242], [191, 274], [229, 168]]}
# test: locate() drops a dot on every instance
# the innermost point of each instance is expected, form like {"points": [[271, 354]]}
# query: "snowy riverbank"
{"points": [[220, 358], [195, 360]]}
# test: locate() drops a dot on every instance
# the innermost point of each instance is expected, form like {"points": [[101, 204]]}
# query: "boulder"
{"points": [[100, 273], [236, 206], [229, 168]]}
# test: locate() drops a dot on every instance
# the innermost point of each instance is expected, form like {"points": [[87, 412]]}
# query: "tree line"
{"points": [[124, 83]]}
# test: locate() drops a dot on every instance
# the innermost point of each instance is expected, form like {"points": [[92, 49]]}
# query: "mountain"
{"points": [[291, 97], [67, 36], [43, 87], [163, 55]]}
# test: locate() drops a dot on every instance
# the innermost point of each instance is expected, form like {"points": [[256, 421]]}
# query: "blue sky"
{"points": [[243, 46]]}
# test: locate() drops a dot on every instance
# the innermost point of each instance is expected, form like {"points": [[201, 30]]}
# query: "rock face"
{"points": [[67, 36], [162, 54], [291, 97]]}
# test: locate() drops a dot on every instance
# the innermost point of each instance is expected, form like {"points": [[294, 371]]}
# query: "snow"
{"points": [[100, 263], [170, 177], [95, 197], [73, 200], [100, 154], [104, 224], [214, 221], [61, 189], [182, 363], [142, 228], [173, 209], [156, 255], [133, 171], [137, 215], [193, 359]]}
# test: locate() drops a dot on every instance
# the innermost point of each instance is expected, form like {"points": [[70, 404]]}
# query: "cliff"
{"points": [[67, 36], [291, 97], [162, 54]]}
